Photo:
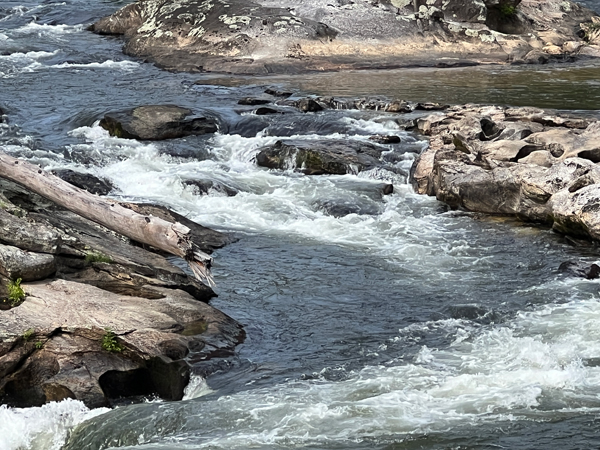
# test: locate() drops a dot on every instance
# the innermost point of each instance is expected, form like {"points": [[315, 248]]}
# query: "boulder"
{"points": [[580, 269], [550, 175], [157, 122], [335, 157], [16, 263], [253, 101], [85, 181], [262, 37], [385, 139], [71, 340]]}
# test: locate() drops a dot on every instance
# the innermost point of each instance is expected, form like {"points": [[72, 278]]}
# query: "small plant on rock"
{"points": [[93, 257], [507, 11], [39, 345], [28, 333], [110, 342], [16, 294]]}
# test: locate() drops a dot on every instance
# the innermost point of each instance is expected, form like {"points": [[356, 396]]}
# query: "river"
{"points": [[401, 325]]}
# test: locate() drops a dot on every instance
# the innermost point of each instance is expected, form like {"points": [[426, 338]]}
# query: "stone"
{"points": [[62, 355], [385, 139], [85, 181], [580, 269], [308, 105], [278, 93], [253, 101], [157, 122], [266, 111], [16, 263], [335, 157], [290, 37], [203, 187]]}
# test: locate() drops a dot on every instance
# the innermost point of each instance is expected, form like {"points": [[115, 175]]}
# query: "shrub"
{"points": [[93, 257]]}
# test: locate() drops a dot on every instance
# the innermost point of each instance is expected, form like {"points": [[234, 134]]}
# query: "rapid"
{"points": [[373, 322]]}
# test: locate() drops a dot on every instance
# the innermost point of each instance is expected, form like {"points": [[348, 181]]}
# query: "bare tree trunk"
{"points": [[173, 238]]}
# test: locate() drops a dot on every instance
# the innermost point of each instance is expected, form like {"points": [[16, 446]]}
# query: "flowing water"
{"points": [[373, 322]]}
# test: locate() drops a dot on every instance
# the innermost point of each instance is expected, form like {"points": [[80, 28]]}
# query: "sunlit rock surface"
{"points": [[287, 37]]}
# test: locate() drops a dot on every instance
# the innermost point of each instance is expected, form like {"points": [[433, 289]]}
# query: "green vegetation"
{"points": [[93, 257], [28, 333], [16, 294], [110, 342], [507, 11], [39, 345]]}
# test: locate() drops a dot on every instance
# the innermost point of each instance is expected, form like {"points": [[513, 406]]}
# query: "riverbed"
{"points": [[373, 322]]}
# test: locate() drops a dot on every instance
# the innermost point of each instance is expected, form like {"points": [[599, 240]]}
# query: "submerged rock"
{"points": [[540, 166], [157, 122], [579, 269], [335, 157], [290, 37]]}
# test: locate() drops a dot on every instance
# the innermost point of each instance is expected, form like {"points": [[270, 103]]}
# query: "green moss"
{"points": [[93, 257], [110, 342], [28, 334], [16, 294], [507, 11]]}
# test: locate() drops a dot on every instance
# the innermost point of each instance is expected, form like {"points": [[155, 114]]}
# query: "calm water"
{"points": [[400, 325]]}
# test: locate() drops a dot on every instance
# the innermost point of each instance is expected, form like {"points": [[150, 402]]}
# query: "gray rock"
{"points": [[157, 122], [336, 157], [16, 263], [85, 181], [285, 36]]}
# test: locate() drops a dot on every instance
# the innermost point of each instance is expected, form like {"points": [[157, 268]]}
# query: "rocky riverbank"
{"points": [[535, 164], [91, 315], [264, 36]]}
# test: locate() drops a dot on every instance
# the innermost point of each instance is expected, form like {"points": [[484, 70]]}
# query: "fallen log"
{"points": [[173, 238]]}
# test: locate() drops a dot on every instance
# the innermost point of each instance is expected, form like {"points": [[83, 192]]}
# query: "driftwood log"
{"points": [[173, 238]]}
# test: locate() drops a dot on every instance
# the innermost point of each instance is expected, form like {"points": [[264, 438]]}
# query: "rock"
{"points": [[430, 107], [203, 187], [278, 93], [387, 189], [579, 269], [55, 344], [571, 46], [157, 122], [553, 50], [398, 107], [85, 181], [265, 111], [259, 37], [385, 139], [16, 263], [336, 157], [308, 105], [536, 57], [253, 101], [549, 176]]}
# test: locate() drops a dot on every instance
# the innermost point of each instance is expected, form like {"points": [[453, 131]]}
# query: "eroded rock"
{"points": [[157, 122]]}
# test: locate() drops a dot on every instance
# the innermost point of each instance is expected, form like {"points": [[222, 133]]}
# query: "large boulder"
{"points": [[111, 318], [72, 340], [157, 122], [535, 164], [264, 36], [312, 157]]}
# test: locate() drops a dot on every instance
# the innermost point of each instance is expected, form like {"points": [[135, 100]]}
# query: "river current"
{"points": [[398, 324]]}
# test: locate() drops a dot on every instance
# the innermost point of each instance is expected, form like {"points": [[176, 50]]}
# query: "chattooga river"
{"points": [[401, 325]]}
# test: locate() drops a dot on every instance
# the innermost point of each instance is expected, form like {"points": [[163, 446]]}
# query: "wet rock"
{"points": [[336, 157], [580, 269], [203, 187], [253, 101], [387, 189], [344, 208], [157, 122], [398, 107], [385, 139], [85, 181], [308, 105], [278, 93], [430, 107], [266, 111]]}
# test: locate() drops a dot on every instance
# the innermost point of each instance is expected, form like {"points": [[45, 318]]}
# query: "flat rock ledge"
{"points": [[101, 318], [284, 36], [527, 162]]}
